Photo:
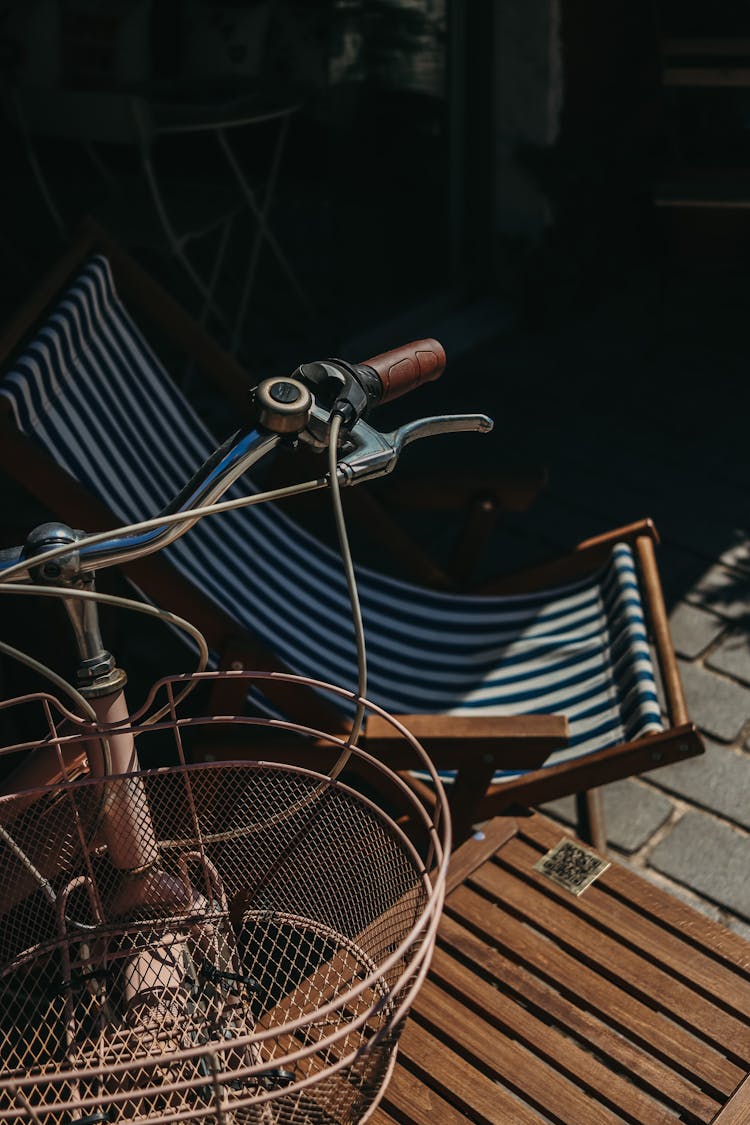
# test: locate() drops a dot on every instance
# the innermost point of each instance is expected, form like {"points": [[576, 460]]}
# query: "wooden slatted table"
{"points": [[621, 1004]]}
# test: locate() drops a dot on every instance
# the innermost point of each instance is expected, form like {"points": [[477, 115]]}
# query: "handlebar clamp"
{"points": [[62, 570]]}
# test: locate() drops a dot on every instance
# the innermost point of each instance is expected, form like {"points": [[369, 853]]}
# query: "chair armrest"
{"points": [[502, 741], [473, 745], [452, 741], [589, 771], [657, 614], [574, 564]]}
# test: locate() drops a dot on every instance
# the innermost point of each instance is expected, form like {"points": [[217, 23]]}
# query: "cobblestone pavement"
{"points": [[639, 413]]}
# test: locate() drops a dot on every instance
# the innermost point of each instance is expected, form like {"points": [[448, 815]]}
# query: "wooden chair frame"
{"points": [[477, 747]]}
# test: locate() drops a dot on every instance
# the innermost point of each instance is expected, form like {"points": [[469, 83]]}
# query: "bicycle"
{"points": [[166, 949]]}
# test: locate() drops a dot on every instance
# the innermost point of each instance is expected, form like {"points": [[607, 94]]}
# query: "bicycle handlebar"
{"points": [[404, 369], [364, 454]]}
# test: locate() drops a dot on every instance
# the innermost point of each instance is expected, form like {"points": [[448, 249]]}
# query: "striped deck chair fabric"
{"points": [[90, 390]]}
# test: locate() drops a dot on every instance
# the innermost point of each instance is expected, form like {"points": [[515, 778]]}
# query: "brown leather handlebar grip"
{"points": [[407, 367]]}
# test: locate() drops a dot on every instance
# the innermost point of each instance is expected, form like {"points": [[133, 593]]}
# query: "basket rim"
{"points": [[432, 871]]}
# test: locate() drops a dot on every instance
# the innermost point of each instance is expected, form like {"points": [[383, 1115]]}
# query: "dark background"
{"points": [[609, 344], [387, 199]]}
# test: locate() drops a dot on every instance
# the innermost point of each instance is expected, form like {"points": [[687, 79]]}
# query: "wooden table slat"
{"points": [[634, 1066], [477, 849], [562, 1053], [596, 993], [455, 1079], [566, 924], [409, 1097], [673, 915], [626, 925], [706, 75], [510, 1062]]}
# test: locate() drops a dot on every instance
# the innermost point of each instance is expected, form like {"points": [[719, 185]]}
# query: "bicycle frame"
{"points": [[59, 557]]}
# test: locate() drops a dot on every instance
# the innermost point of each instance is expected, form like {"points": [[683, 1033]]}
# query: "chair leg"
{"points": [[260, 212], [177, 243], [590, 815], [480, 521], [471, 784]]}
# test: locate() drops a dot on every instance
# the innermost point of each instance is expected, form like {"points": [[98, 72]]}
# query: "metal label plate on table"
{"points": [[571, 865]]}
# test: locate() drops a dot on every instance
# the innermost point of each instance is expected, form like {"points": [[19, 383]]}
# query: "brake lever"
{"points": [[371, 454]]}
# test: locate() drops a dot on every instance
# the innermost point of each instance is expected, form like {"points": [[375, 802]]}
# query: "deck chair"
{"points": [[522, 695]]}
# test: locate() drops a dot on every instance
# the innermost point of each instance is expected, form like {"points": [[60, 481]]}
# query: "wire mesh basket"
{"points": [[259, 966]]}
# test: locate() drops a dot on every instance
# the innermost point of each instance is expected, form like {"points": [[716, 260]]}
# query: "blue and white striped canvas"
{"points": [[90, 390]]}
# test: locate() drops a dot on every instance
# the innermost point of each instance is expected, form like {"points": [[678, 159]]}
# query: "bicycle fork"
{"points": [[183, 970], [127, 827]]}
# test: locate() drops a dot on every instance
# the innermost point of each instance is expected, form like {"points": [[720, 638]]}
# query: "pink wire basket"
{"points": [[259, 968]]}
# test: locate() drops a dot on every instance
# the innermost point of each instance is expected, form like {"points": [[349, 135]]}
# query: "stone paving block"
{"points": [[632, 813], [733, 656], [725, 591], [710, 858], [718, 706], [693, 630], [564, 809], [738, 554], [718, 780]]}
